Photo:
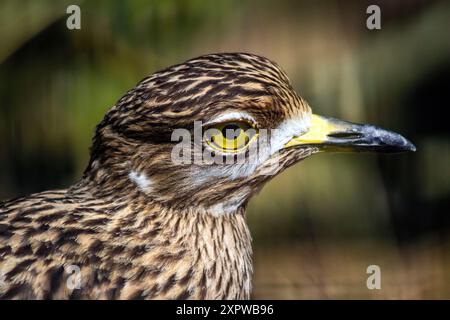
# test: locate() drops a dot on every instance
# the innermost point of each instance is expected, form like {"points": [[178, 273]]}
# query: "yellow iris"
{"points": [[230, 136]]}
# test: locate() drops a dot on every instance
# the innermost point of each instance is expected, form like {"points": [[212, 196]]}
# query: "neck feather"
{"points": [[168, 254]]}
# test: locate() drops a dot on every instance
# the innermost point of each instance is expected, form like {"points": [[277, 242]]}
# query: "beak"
{"points": [[340, 136]]}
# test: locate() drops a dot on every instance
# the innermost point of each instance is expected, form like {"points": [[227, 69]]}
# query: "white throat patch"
{"points": [[230, 205]]}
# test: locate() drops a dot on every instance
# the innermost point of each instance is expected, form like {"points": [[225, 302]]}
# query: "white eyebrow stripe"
{"points": [[234, 115]]}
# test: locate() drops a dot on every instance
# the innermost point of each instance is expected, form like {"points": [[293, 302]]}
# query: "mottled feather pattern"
{"points": [[162, 242], [124, 252]]}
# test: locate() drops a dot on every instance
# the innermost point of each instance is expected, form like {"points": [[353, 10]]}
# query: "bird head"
{"points": [[208, 133]]}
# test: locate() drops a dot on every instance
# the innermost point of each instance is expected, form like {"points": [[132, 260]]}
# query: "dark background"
{"points": [[320, 224]]}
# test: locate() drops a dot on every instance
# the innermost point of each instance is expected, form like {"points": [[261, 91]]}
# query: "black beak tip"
{"points": [[388, 141], [411, 147], [402, 144]]}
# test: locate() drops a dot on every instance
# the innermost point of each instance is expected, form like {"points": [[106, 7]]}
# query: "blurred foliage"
{"points": [[56, 85]]}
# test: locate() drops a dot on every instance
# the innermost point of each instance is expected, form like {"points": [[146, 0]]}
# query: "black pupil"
{"points": [[231, 131]]}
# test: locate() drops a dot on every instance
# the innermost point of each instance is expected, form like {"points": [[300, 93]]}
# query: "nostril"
{"points": [[346, 135]]}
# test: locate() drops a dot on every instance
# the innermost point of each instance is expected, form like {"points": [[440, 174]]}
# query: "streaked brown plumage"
{"points": [[138, 225]]}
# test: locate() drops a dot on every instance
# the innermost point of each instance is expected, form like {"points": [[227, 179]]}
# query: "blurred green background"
{"points": [[317, 226]]}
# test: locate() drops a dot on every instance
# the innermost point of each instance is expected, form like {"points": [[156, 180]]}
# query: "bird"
{"points": [[144, 222]]}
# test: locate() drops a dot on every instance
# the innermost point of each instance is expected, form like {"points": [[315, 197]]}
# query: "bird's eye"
{"points": [[230, 136]]}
